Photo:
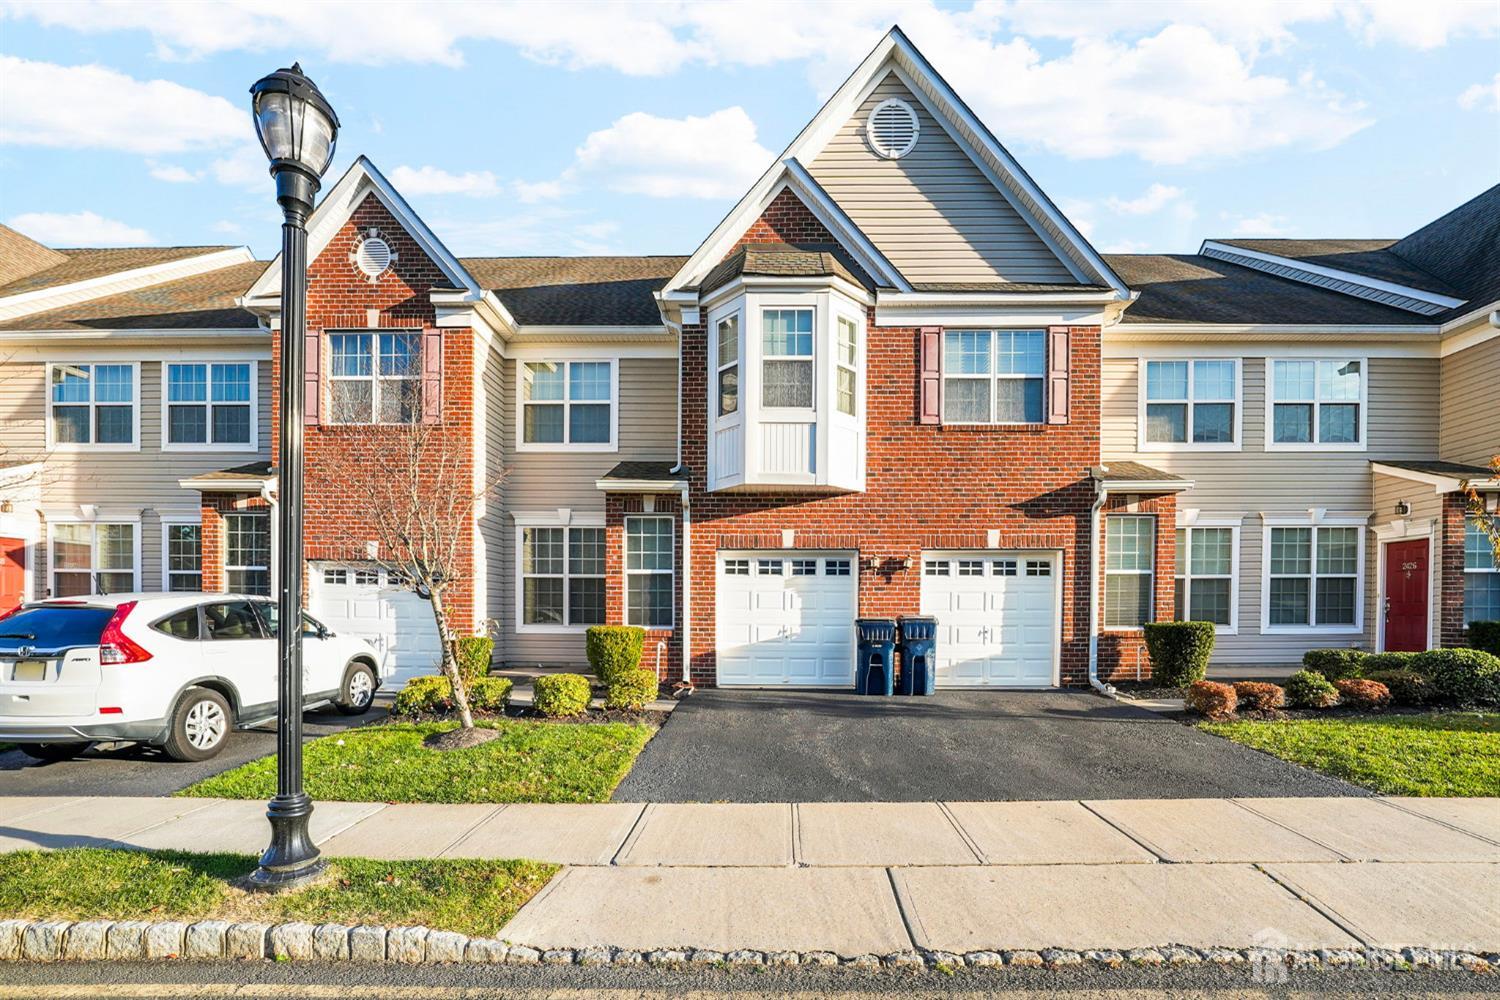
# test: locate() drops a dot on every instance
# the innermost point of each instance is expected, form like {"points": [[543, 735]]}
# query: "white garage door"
{"points": [[997, 617], [786, 618], [359, 600]]}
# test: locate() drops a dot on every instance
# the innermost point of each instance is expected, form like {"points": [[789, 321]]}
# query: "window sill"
{"points": [[1312, 630], [227, 448], [80, 449], [551, 629], [1288, 446], [1154, 447], [983, 427], [582, 448]]}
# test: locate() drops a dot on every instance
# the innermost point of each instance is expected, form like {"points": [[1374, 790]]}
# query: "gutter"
{"points": [[1101, 494], [685, 685]]}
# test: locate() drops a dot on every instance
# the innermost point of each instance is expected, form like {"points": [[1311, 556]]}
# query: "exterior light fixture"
{"points": [[1403, 509]]}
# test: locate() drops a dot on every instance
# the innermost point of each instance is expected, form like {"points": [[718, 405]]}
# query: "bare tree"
{"points": [[414, 484], [1488, 521]]}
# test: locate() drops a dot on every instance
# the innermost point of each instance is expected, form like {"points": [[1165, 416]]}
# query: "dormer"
{"points": [[786, 327]]}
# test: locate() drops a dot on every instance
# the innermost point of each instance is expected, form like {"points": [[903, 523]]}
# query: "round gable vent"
{"points": [[892, 128], [373, 256]]}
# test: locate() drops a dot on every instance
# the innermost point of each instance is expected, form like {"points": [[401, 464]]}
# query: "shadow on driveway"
{"points": [[817, 746]]}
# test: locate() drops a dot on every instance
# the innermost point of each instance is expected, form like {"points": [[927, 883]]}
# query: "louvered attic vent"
{"points": [[892, 128], [373, 256]]}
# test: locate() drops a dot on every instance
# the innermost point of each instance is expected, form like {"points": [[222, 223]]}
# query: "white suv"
{"points": [[178, 671]]}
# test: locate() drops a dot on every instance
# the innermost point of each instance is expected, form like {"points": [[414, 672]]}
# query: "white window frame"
{"points": [[246, 567], [94, 571], [840, 322], [52, 444], [721, 366], [1143, 400], [1492, 570], [1233, 524], [550, 519], [1360, 583], [1315, 445], [810, 359], [208, 362], [993, 376], [1151, 572], [670, 572], [167, 524], [613, 444], [374, 378]]}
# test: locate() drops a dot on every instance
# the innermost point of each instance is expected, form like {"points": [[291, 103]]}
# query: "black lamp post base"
{"points": [[291, 861]]}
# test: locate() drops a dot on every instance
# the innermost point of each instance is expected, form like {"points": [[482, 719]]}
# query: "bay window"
{"points": [[1129, 569], [376, 378], [567, 404], [182, 555], [1481, 576], [92, 405], [562, 576], [787, 358], [729, 365], [994, 376], [247, 554], [847, 354], [1317, 403], [89, 558], [1313, 577], [648, 571], [1205, 575], [210, 404], [1190, 402]]}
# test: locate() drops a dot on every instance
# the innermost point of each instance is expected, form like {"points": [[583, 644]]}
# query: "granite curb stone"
{"points": [[164, 939], [206, 939], [87, 941]]}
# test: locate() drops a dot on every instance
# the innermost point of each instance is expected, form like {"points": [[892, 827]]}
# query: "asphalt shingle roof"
{"points": [[1462, 248], [200, 301], [787, 260], [82, 264], [583, 291], [1371, 258]]}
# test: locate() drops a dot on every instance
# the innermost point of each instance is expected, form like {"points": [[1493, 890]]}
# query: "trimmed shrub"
{"points": [[1179, 651], [1485, 636], [473, 653], [632, 690], [1259, 697], [1334, 664], [1374, 663], [559, 696], [1305, 689], [433, 695], [1210, 699], [614, 650], [1461, 676], [1407, 687], [1362, 693]]}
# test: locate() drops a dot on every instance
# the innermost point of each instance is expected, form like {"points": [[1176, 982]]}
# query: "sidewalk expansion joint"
{"points": [[963, 834], [1160, 853], [634, 834], [1440, 822], [1272, 819], [462, 836], [910, 919], [1318, 906]]}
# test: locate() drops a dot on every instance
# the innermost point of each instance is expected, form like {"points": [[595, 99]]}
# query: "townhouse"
{"points": [[894, 379]]}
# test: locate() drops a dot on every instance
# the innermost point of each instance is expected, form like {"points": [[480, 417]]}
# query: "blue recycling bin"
{"points": [[918, 654], [875, 656]]}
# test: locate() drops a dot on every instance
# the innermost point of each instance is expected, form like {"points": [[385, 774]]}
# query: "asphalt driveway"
{"points": [[804, 746]]}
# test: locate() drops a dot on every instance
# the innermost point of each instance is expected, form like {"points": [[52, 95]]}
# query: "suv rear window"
{"points": [[51, 627], [182, 625]]}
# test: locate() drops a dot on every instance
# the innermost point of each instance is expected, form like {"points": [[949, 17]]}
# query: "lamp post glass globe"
{"points": [[297, 129]]}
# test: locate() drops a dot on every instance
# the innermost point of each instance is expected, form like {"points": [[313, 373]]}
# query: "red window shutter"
{"points": [[432, 376], [1059, 374], [312, 390], [930, 409]]}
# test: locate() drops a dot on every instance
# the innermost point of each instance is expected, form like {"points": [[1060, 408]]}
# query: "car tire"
{"points": [[200, 725], [51, 753], [358, 691]]}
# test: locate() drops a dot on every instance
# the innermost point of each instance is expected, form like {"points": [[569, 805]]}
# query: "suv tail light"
{"points": [[117, 647]]}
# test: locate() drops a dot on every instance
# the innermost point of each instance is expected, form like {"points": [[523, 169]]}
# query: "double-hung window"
{"points": [[1317, 403], [994, 376], [210, 404], [728, 371], [1481, 576], [89, 558], [1190, 402], [182, 546], [247, 554], [847, 355], [93, 405], [1313, 577], [1129, 569], [376, 378], [567, 404], [648, 571], [1205, 575], [786, 358], [562, 576]]}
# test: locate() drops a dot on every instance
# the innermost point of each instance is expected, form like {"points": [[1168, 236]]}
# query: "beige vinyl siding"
{"points": [[1469, 426], [1401, 423], [932, 212], [143, 482], [494, 523], [542, 482]]}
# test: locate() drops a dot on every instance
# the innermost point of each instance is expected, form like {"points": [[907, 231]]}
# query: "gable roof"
{"points": [[1368, 257], [1462, 248], [207, 301], [576, 291], [895, 53], [21, 255], [85, 263]]}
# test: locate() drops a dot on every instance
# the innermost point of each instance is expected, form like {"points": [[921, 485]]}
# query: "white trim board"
{"points": [[1212, 248], [45, 299]]}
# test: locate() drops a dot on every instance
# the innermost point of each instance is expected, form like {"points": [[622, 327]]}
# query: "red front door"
{"points": [[1406, 596], [12, 573]]}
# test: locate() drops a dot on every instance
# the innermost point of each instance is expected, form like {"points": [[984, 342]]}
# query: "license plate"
{"points": [[30, 670]]}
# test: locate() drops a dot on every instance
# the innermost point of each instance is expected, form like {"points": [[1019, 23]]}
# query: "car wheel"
{"points": [[358, 693], [53, 752], [200, 725]]}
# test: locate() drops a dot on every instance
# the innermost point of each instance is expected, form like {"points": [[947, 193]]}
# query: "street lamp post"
{"points": [[297, 129]]}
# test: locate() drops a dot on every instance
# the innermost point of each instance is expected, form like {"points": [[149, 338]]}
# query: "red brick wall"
{"points": [[1122, 653], [340, 296], [1452, 628], [785, 220], [211, 535], [667, 663]]}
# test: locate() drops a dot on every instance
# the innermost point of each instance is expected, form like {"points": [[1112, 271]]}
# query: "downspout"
{"points": [[1101, 494], [685, 685]]}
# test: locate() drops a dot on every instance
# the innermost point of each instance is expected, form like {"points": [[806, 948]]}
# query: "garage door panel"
{"points": [[994, 629], [795, 627], [396, 621]]}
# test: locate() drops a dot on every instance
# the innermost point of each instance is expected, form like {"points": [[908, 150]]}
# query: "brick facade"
{"points": [[211, 533], [1122, 652], [785, 220]]}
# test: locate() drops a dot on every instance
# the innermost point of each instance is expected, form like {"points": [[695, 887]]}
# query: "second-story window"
{"points": [[848, 353], [994, 376], [787, 358], [1190, 402], [376, 378], [1317, 403], [210, 404], [567, 404], [93, 405], [729, 365]]}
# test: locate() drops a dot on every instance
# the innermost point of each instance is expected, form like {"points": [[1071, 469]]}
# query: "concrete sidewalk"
{"points": [[877, 878]]}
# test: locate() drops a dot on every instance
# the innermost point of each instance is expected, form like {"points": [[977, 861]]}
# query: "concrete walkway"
{"points": [[877, 878]]}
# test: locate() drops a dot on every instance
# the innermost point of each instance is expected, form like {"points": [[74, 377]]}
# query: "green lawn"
{"points": [[1451, 754], [471, 897], [529, 762]]}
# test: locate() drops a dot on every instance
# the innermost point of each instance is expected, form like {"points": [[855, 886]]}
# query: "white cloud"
{"points": [[173, 174], [1262, 224], [1481, 96], [1155, 198], [713, 156], [79, 229], [531, 192], [228, 227], [546, 230], [245, 167], [433, 180], [92, 107], [1425, 25]]}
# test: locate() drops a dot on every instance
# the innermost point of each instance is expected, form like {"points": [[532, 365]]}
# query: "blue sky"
{"points": [[520, 128]]}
